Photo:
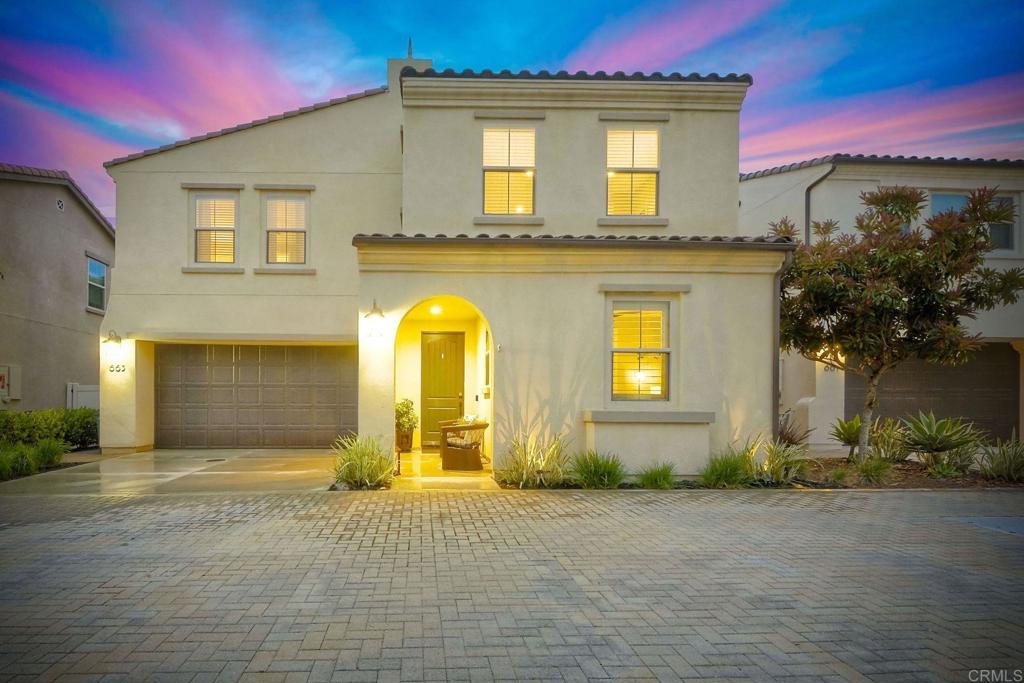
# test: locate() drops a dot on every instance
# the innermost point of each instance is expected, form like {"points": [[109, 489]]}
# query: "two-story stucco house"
{"points": [[987, 389], [55, 252], [554, 253]]}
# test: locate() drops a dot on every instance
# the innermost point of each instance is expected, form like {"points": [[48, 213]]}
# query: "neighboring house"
{"points": [[520, 247], [987, 389], [56, 254]]}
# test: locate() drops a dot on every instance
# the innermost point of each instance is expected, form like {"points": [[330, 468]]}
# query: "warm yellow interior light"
{"points": [[611, 174], [435, 310], [529, 174]]}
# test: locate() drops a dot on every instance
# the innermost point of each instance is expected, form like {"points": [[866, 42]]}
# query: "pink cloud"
{"points": [[904, 120], [648, 43]]}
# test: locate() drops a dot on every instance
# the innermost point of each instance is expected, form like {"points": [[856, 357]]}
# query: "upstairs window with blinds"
{"points": [[509, 169], [215, 225], [633, 173], [640, 351], [287, 219]]}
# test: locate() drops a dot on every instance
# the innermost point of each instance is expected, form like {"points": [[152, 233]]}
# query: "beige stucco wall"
{"points": [[44, 325], [551, 351]]}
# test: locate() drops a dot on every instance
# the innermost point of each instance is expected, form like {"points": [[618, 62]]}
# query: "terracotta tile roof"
{"points": [[245, 126], [657, 76], [642, 241], [55, 176], [884, 159]]}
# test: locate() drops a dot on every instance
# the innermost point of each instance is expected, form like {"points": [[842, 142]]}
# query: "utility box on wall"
{"points": [[10, 383]]}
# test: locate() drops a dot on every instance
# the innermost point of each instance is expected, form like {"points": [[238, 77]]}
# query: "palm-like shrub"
{"points": [[1003, 460], [361, 463], [657, 477], [529, 463], [593, 470], [847, 432]]}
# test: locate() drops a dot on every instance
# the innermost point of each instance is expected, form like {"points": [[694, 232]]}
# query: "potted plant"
{"points": [[405, 422]]}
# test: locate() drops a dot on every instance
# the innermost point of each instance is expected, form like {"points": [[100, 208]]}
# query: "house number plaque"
{"points": [[117, 367]]}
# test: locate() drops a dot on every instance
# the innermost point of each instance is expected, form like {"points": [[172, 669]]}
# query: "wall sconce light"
{"points": [[375, 321], [112, 338]]}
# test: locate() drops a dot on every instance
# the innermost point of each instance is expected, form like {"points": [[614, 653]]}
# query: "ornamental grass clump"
{"points": [[532, 464], [360, 462], [49, 453], [657, 477], [874, 470], [1003, 460], [889, 440], [731, 468], [781, 464], [593, 470]]}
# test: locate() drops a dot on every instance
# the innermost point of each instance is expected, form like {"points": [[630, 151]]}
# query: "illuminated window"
{"points": [[97, 284], [215, 223], [509, 170], [1002, 235], [286, 218], [640, 351], [633, 173]]}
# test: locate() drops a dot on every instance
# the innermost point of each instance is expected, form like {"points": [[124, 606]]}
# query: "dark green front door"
{"points": [[443, 366]]}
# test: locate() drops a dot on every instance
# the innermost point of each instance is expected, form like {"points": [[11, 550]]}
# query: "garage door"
{"points": [[985, 390], [224, 396]]}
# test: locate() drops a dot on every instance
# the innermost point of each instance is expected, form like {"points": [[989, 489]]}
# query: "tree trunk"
{"points": [[867, 415]]}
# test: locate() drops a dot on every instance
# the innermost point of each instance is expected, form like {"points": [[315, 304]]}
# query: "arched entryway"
{"points": [[444, 365]]}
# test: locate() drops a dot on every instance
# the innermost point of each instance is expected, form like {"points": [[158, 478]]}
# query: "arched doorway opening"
{"points": [[444, 365]]}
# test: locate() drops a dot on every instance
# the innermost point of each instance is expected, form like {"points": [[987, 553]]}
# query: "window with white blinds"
{"points": [[287, 221], [509, 170], [640, 351], [215, 224], [633, 167]]}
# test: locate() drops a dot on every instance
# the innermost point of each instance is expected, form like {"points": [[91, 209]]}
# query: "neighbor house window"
{"points": [[287, 220], [97, 284], [509, 170], [632, 173], [215, 224], [640, 351], [1001, 234]]}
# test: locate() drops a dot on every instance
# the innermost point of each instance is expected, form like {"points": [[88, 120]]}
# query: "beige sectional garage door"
{"points": [[225, 396], [985, 390]]}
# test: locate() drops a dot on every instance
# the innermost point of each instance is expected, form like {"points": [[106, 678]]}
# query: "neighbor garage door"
{"points": [[223, 396], [985, 390]]}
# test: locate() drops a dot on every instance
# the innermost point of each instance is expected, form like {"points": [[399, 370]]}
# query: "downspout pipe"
{"points": [[776, 343], [807, 201]]}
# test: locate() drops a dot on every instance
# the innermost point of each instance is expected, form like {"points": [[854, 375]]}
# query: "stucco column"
{"points": [[126, 395], [377, 373], [1019, 348]]}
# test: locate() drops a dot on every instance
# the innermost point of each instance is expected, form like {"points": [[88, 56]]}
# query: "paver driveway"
{"points": [[759, 585]]}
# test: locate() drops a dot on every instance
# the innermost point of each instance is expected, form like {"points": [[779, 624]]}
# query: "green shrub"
{"points": [[732, 468], [847, 432], [405, 416], [17, 460], [781, 464], [81, 427], [531, 464], [1003, 460], [49, 452], [839, 475], [874, 469], [657, 477], [77, 426], [889, 440], [361, 463], [593, 470], [928, 435]]}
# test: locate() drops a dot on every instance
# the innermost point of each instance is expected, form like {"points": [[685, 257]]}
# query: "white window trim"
{"points": [[1018, 233], [89, 256], [674, 365], [267, 195], [533, 178], [194, 197], [616, 169]]}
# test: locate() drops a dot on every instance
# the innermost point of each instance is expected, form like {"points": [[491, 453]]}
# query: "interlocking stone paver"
{"points": [[479, 586]]}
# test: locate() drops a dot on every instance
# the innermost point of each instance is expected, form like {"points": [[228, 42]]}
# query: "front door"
{"points": [[443, 366]]}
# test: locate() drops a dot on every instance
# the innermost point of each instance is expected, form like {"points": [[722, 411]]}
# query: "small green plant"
{"points": [[49, 452], [943, 470], [1003, 460], [593, 470], [406, 419], [657, 477], [781, 464], [889, 440], [847, 432], [529, 463], [17, 460], [732, 468], [361, 463], [927, 435], [839, 475], [790, 432], [874, 469]]}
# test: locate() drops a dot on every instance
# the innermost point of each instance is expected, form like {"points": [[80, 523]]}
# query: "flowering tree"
{"points": [[866, 302]]}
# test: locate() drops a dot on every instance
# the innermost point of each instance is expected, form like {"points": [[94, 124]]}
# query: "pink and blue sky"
{"points": [[83, 82]]}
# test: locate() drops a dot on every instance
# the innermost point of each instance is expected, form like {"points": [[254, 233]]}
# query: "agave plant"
{"points": [[928, 435], [847, 432]]}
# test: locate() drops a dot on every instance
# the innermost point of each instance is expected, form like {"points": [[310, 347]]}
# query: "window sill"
{"points": [[284, 271], [632, 222], [508, 220], [95, 311], [228, 270], [659, 416]]}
